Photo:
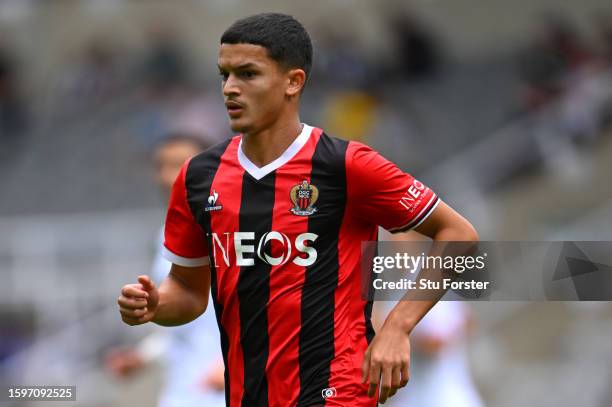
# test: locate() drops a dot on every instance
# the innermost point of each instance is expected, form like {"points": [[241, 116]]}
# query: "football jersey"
{"points": [[284, 246]]}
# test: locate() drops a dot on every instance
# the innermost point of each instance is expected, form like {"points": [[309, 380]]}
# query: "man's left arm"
{"points": [[387, 359]]}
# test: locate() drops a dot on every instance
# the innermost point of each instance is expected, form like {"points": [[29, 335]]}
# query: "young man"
{"points": [[272, 221]]}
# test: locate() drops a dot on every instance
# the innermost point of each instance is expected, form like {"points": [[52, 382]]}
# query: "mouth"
{"points": [[234, 109]]}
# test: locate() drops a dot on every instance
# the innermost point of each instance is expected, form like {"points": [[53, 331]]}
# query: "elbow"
{"points": [[464, 231], [470, 234], [202, 306], [205, 306]]}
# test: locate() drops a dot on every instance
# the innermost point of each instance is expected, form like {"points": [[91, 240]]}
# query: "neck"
{"points": [[267, 145]]}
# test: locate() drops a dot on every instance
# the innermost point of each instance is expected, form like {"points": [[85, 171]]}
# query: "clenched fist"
{"points": [[138, 302]]}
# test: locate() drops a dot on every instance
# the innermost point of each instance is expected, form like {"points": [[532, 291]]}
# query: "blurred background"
{"points": [[504, 108]]}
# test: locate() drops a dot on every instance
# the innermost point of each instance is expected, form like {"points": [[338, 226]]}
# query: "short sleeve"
{"points": [[382, 194], [184, 242]]}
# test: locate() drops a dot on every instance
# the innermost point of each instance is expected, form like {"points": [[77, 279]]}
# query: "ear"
{"points": [[296, 79]]}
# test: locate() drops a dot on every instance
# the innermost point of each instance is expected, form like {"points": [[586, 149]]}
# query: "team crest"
{"points": [[304, 196]]}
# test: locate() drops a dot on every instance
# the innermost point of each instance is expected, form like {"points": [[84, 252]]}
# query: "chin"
{"points": [[238, 126]]}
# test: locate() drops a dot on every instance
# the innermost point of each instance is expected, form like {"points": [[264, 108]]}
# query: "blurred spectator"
{"points": [[556, 52], [15, 333], [340, 63], [194, 365], [164, 67], [417, 54], [561, 38], [440, 372], [91, 78], [602, 21], [567, 93], [542, 73], [12, 109]]}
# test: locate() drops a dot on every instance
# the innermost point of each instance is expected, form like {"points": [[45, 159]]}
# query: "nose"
{"points": [[230, 86]]}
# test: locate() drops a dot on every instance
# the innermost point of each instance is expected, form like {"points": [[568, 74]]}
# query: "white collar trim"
{"points": [[257, 172]]}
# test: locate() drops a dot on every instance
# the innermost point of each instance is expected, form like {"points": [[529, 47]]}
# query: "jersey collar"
{"points": [[260, 172]]}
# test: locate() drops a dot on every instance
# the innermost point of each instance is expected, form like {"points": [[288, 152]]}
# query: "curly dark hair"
{"points": [[286, 40]]}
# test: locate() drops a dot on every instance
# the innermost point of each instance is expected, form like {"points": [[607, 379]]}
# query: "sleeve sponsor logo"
{"points": [[413, 197]]}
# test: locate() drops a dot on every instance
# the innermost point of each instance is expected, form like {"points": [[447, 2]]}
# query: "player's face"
{"points": [[254, 86], [168, 160]]}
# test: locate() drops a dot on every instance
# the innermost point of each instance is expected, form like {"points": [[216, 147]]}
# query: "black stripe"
{"points": [[224, 337], [198, 182], [256, 211], [317, 308]]}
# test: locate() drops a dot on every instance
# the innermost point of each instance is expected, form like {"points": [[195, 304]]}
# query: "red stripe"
{"points": [[350, 341], [286, 281], [226, 220], [176, 233]]}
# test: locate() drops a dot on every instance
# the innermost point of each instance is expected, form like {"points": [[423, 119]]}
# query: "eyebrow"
{"points": [[243, 66]]}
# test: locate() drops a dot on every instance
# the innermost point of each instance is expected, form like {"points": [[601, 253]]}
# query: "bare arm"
{"points": [[387, 359], [181, 297], [444, 225]]}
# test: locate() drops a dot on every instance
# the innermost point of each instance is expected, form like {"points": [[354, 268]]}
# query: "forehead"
{"points": [[236, 55]]}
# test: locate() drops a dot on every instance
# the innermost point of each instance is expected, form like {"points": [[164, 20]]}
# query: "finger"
{"points": [[385, 384], [130, 320], [131, 302], [405, 375], [136, 320], [374, 378], [144, 319], [146, 283], [396, 378], [133, 290], [365, 366], [133, 313]]}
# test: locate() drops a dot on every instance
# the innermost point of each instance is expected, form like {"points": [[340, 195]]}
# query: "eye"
{"points": [[224, 75], [247, 74]]}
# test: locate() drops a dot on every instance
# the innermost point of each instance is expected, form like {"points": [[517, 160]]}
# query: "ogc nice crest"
{"points": [[304, 196]]}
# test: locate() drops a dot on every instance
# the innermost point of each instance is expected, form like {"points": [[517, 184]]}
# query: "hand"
{"points": [[138, 302], [388, 356], [123, 362], [215, 379]]}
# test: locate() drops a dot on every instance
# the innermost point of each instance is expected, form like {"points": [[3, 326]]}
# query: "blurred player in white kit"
{"points": [[191, 353]]}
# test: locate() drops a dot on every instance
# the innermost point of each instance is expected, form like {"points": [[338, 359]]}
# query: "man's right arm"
{"points": [[181, 297]]}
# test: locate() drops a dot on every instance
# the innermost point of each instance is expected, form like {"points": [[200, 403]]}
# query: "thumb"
{"points": [[146, 283]]}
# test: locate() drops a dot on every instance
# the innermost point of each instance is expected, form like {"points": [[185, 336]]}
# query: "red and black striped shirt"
{"points": [[284, 243]]}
